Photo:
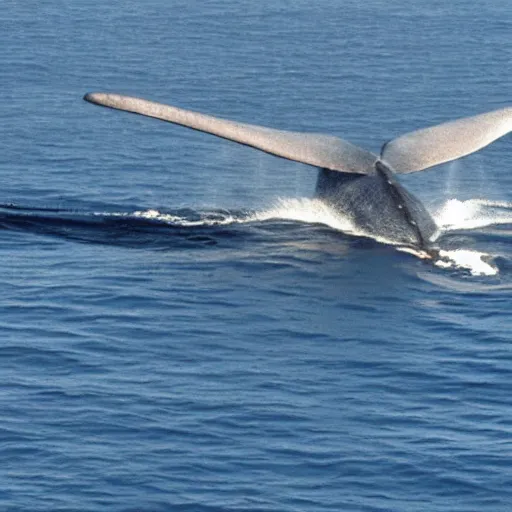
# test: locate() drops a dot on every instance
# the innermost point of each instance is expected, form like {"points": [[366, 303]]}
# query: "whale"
{"points": [[355, 182]]}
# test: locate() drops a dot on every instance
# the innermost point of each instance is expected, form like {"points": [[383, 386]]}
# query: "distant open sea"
{"points": [[184, 328]]}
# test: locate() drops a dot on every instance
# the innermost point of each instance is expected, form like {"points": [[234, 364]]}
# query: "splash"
{"points": [[306, 210], [457, 215], [472, 214], [453, 215], [477, 263], [311, 211]]}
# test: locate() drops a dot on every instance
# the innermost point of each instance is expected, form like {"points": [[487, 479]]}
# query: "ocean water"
{"points": [[184, 328]]}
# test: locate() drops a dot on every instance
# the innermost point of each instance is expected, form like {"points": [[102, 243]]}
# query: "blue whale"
{"points": [[353, 181]]}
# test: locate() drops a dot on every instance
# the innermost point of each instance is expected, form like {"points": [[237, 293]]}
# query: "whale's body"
{"points": [[378, 206], [353, 181]]}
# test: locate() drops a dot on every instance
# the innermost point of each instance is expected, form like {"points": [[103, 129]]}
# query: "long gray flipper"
{"points": [[319, 150], [424, 148]]}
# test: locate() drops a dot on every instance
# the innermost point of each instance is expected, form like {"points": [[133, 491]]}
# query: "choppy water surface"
{"points": [[184, 328]]}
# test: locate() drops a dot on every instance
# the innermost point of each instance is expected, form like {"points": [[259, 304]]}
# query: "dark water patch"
{"points": [[123, 230]]}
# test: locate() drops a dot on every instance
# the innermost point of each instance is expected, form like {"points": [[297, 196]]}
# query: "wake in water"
{"points": [[453, 216], [207, 227], [311, 211]]}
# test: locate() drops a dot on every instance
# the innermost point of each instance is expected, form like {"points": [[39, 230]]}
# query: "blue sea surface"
{"points": [[183, 328]]}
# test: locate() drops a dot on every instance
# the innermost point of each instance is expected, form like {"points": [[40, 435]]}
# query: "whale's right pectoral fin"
{"points": [[323, 151], [425, 148]]}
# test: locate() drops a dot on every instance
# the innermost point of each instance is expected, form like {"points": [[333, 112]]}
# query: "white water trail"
{"points": [[207, 219], [311, 211]]}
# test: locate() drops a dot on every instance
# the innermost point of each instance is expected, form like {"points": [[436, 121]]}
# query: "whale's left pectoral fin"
{"points": [[425, 148], [319, 150]]}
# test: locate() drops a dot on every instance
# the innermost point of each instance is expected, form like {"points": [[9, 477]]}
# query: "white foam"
{"points": [[206, 219], [453, 215], [472, 214], [466, 259], [311, 211], [465, 215]]}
